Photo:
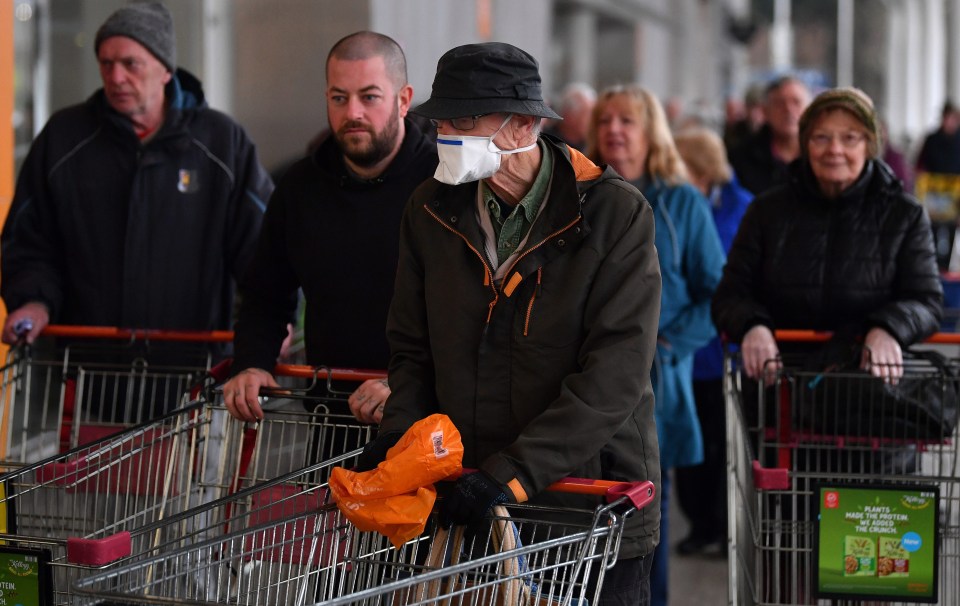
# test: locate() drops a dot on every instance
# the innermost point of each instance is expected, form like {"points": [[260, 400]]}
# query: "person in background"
{"points": [[838, 247], [332, 229], [702, 489], [138, 208], [734, 114], [896, 160], [761, 160], [741, 121], [576, 103], [629, 131], [940, 151], [526, 297], [674, 108], [937, 173]]}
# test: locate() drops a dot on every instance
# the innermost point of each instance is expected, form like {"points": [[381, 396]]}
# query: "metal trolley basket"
{"points": [[92, 505], [81, 383], [785, 443], [281, 542]]}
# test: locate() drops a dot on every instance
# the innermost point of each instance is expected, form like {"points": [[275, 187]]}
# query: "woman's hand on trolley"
{"points": [[241, 393], [25, 323], [882, 355], [367, 402], [761, 357]]}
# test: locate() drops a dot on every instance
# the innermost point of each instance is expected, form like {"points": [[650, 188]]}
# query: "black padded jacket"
{"points": [[108, 231], [865, 259]]}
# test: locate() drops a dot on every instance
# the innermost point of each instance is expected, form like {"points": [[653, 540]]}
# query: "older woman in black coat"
{"points": [[840, 247]]}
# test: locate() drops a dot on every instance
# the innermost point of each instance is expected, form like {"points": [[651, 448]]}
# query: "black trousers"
{"points": [[702, 489]]}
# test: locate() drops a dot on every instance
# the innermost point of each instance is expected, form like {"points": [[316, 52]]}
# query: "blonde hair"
{"points": [[703, 152], [663, 159]]}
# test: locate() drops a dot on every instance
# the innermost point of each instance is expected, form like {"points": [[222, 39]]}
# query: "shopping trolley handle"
{"points": [[98, 552], [767, 478], [640, 493], [820, 336], [137, 334]]}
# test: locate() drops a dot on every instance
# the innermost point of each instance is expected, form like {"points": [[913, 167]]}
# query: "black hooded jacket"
{"points": [[865, 259], [337, 237], [107, 231], [753, 161]]}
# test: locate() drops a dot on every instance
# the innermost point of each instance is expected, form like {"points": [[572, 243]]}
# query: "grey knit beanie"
{"points": [[149, 23]]}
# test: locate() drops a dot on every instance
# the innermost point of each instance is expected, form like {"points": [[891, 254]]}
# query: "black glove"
{"points": [[472, 497], [375, 450]]}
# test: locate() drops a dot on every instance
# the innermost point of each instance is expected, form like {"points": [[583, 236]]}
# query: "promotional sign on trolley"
{"points": [[25, 576], [877, 542]]}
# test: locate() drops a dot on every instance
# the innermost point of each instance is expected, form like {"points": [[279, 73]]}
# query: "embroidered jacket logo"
{"points": [[188, 183]]}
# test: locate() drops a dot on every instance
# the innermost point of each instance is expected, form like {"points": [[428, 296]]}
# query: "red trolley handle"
{"points": [[138, 334], [640, 493], [336, 374], [221, 372], [814, 336]]}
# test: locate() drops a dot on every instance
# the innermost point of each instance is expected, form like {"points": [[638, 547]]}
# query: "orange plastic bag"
{"points": [[396, 498]]}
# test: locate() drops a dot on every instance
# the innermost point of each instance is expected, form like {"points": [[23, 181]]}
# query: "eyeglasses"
{"points": [[468, 123], [847, 140]]}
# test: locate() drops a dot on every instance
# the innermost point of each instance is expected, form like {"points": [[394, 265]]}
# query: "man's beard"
{"points": [[380, 145]]}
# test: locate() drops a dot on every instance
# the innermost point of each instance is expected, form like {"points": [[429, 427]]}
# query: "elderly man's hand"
{"points": [[367, 402], [241, 393], [472, 498], [882, 355], [375, 451], [760, 354]]}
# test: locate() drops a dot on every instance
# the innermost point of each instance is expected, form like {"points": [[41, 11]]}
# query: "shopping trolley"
{"points": [[794, 448], [85, 382], [282, 542], [88, 507]]}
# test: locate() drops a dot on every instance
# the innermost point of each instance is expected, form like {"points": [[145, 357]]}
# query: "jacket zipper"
{"points": [[488, 274], [533, 297], [541, 243], [488, 277]]}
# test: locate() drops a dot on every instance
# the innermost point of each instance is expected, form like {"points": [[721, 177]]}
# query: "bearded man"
{"points": [[332, 229]]}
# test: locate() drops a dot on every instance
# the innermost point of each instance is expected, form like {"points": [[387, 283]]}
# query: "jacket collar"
{"points": [[183, 93], [570, 167], [876, 179]]}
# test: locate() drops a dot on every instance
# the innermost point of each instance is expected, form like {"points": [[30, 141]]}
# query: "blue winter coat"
{"points": [[728, 208], [691, 263]]}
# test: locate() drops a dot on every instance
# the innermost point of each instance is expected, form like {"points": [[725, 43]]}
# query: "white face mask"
{"points": [[464, 159]]}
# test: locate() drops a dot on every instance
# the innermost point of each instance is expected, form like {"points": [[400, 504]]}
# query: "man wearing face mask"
{"points": [[332, 228], [525, 306]]}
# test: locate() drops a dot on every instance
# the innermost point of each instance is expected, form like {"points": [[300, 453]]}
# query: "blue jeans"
{"points": [[659, 575]]}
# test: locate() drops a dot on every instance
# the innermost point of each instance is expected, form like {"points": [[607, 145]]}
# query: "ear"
{"points": [[522, 127], [404, 97], [167, 75]]}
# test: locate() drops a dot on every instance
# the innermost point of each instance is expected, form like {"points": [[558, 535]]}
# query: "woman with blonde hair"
{"points": [[629, 131], [701, 489]]}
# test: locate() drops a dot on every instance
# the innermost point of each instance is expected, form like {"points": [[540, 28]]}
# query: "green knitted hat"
{"points": [[854, 101]]}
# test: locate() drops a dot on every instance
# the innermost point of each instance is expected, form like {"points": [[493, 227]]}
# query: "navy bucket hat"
{"points": [[485, 78]]}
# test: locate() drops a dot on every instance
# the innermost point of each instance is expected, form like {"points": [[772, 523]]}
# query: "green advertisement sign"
{"points": [[877, 542], [25, 577]]}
